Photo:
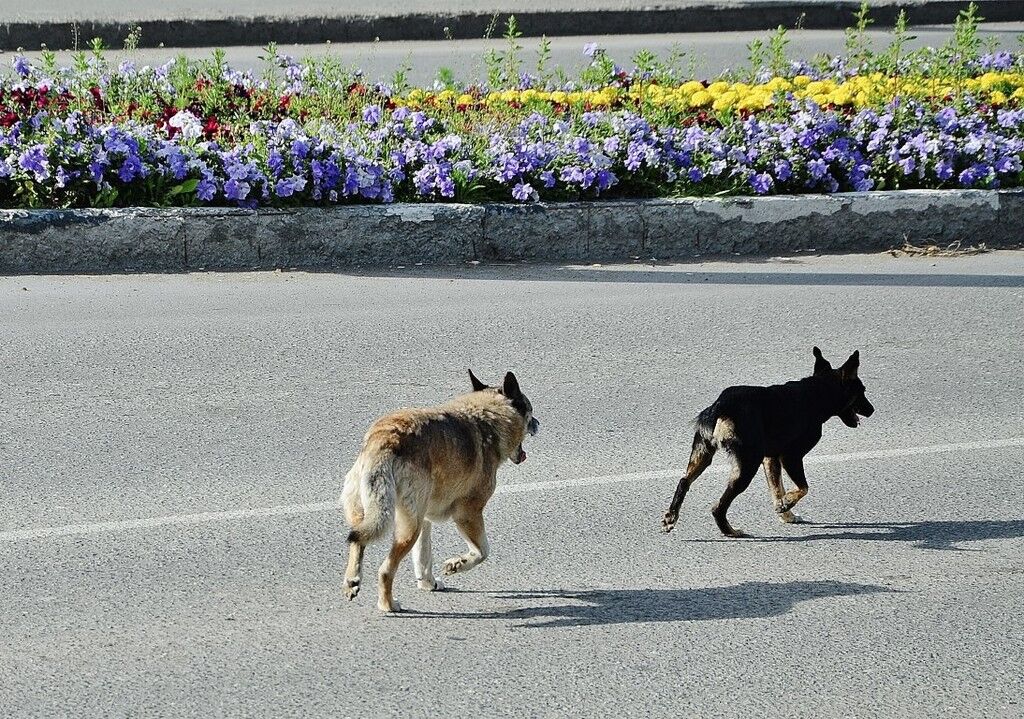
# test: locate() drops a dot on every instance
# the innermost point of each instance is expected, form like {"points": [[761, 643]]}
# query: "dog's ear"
{"points": [[477, 384], [821, 365], [510, 387], [849, 368]]}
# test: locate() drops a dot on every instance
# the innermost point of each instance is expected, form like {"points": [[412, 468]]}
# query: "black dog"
{"points": [[775, 426]]}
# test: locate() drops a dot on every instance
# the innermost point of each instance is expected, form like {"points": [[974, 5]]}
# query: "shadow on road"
{"points": [[749, 600], [701, 277], [926, 535]]}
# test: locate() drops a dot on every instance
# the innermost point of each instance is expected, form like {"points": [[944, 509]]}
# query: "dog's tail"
{"points": [[714, 430], [705, 423], [371, 485]]}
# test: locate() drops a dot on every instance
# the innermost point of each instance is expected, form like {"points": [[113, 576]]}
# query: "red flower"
{"points": [[97, 98], [211, 128]]}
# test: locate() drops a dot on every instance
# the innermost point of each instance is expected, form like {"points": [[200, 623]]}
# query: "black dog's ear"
{"points": [[849, 368], [821, 365], [477, 384], [510, 387]]}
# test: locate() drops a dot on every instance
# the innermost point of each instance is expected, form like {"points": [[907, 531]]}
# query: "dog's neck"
{"points": [[827, 396]]}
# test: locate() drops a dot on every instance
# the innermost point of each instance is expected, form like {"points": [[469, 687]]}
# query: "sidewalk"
{"points": [[178, 23]]}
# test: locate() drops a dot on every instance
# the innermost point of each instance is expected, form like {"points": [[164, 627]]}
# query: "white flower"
{"points": [[187, 123]]}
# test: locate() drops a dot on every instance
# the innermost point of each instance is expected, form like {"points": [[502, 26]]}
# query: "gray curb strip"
{"points": [[190, 239], [700, 17]]}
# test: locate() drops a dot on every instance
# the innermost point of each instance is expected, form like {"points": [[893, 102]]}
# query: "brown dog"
{"points": [[421, 466]]}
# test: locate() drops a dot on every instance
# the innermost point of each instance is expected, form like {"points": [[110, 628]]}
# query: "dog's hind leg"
{"points": [[744, 470], [423, 560], [773, 473], [354, 514], [353, 574], [407, 529], [794, 467], [470, 523], [700, 457]]}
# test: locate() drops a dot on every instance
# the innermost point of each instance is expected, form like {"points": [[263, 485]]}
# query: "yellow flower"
{"points": [[725, 101], [701, 98], [717, 88]]}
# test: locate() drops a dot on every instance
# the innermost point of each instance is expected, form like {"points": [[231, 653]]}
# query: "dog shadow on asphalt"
{"points": [[945, 535], [748, 600]]}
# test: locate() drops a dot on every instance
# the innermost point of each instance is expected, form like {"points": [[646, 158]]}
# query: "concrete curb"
{"points": [[702, 16], [191, 239]]}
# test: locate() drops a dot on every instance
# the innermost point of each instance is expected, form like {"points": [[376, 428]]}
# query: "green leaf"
{"points": [[185, 188]]}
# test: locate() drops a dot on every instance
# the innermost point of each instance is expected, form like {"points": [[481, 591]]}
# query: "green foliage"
{"points": [[446, 78], [858, 49]]}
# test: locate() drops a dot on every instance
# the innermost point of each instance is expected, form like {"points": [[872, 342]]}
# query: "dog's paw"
{"points": [[351, 588], [668, 522], [453, 565], [791, 518], [737, 534], [430, 585], [392, 608]]}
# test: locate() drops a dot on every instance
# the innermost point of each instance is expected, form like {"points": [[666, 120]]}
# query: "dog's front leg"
{"points": [[471, 527], [794, 467], [773, 473], [423, 560]]}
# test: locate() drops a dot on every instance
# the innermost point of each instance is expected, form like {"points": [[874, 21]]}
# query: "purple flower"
{"points": [[762, 183], [523, 192], [21, 65], [34, 160], [590, 49], [946, 119], [235, 190], [288, 186], [371, 114], [205, 190], [783, 170]]}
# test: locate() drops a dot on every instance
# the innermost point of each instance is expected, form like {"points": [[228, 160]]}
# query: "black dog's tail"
{"points": [[705, 422]]}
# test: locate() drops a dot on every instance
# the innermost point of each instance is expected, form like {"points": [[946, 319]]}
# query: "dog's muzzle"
{"points": [[533, 427]]}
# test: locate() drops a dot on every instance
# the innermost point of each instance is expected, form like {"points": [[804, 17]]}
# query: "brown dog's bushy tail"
{"points": [[376, 495]]}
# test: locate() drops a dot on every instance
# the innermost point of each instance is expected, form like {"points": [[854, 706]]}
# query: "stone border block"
{"points": [[189, 239]]}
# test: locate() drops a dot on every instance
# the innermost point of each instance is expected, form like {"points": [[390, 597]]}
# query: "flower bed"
{"points": [[310, 133]]}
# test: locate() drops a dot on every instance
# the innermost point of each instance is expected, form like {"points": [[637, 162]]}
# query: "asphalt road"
{"points": [[705, 53], [171, 447], [66, 10]]}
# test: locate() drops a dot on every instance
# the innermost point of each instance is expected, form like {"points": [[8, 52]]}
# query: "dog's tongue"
{"points": [[521, 457]]}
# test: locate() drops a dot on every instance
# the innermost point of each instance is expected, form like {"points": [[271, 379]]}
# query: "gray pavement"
{"points": [[191, 23], [706, 54], [67, 10], [128, 398]]}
